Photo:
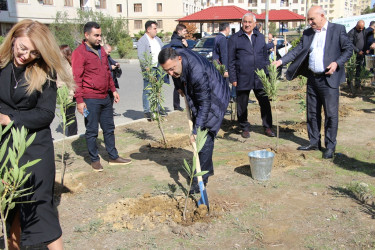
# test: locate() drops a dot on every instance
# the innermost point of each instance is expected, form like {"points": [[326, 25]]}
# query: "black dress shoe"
{"points": [[148, 116], [268, 132], [328, 154], [179, 109], [245, 134], [309, 147], [116, 114]]}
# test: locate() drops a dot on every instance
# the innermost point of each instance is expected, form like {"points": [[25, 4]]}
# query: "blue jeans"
{"points": [[205, 157], [101, 112], [146, 103]]}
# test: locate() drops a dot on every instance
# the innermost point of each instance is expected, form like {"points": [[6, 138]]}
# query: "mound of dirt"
{"points": [[288, 160], [173, 141], [345, 110], [148, 212], [299, 127]]}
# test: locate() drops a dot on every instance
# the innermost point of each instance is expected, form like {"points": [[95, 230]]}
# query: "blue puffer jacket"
{"points": [[206, 90]]}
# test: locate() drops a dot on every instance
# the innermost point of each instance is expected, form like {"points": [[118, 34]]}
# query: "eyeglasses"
{"points": [[24, 50]]}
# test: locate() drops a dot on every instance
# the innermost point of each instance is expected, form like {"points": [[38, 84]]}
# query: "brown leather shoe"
{"points": [[96, 166], [120, 161], [245, 134], [269, 132]]}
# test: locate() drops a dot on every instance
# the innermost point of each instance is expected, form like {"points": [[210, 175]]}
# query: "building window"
{"points": [[137, 24], [68, 3], [18, 1], [4, 5], [137, 7], [102, 4], [295, 1], [295, 11], [159, 7], [160, 23], [273, 1], [119, 8], [48, 2], [230, 1], [240, 1]]}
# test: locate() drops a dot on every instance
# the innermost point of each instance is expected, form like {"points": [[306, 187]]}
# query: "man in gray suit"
{"points": [[148, 44], [320, 56]]}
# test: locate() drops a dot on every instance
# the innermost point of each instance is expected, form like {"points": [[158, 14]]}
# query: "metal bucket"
{"points": [[261, 164], [370, 61]]}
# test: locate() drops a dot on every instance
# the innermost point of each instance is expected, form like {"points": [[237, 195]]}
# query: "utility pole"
{"points": [[307, 5], [266, 21]]}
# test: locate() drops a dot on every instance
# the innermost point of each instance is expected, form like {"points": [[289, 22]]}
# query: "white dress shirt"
{"points": [[155, 50], [316, 55]]}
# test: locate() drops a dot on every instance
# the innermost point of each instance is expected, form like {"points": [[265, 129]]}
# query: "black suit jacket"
{"points": [[220, 52], [245, 57], [338, 48], [35, 112]]}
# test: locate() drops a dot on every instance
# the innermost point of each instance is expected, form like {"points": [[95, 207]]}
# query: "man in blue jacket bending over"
{"points": [[207, 94]]}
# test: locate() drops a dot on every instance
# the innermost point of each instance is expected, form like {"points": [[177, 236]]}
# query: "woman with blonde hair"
{"points": [[30, 59]]}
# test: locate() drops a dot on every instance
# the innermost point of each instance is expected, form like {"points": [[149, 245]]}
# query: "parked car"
{"points": [[205, 47], [191, 43], [135, 42]]}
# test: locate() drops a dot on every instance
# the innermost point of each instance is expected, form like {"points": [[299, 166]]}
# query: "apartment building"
{"points": [[334, 8], [137, 12]]}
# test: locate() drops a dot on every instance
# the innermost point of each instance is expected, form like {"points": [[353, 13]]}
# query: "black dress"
{"points": [[39, 219]]}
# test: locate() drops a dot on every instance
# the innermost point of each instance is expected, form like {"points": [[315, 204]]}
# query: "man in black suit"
{"points": [[247, 52], [320, 56]]}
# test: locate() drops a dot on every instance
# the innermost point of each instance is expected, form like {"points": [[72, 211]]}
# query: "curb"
{"points": [[100, 130], [130, 61]]}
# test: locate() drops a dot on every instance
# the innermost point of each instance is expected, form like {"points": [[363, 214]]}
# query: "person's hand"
{"points": [[184, 42], [331, 68], [113, 67], [116, 97], [367, 51], [234, 84], [274, 42], [361, 52], [4, 119], [372, 46], [80, 107], [277, 63], [226, 74], [192, 138], [117, 65], [181, 92]]}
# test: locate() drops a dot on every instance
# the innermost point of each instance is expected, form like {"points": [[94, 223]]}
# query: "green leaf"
{"points": [[7, 127], [200, 173], [30, 140]]}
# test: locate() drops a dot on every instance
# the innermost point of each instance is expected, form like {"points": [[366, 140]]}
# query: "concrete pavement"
{"points": [[130, 106]]}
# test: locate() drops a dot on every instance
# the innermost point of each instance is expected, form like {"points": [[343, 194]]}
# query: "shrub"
{"points": [[125, 46]]}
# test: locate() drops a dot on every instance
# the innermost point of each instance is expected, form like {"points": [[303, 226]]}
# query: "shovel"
{"points": [[202, 189]]}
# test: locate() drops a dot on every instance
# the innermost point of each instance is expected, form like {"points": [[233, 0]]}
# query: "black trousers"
{"points": [[265, 108], [176, 99], [205, 157], [70, 114], [320, 94], [360, 60]]}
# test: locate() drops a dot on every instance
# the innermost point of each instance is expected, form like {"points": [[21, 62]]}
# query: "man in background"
{"points": [[93, 79], [247, 53], [148, 45], [320, 56], [116, 72], [357, 36]]}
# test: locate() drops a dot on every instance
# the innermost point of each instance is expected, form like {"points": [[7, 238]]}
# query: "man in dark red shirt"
{"points": [[93, 78]]}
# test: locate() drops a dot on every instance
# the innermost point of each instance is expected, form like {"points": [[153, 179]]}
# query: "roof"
{"points": [[216, 13], [281, 15]]}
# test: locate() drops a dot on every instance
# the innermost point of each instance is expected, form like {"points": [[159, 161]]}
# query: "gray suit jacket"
{"points": [[143, 46], [338, 48]]}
